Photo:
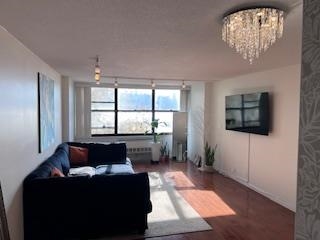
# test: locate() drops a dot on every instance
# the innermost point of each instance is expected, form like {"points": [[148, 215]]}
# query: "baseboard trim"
{"points": [[270, 196]]}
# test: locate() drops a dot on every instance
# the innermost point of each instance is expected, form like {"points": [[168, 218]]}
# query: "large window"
{"points": [[166, 102], [102, 111], [127, 111], [134, 110]]}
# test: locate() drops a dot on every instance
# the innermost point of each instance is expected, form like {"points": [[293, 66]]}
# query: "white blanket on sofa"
{"points": [[82, 171]]}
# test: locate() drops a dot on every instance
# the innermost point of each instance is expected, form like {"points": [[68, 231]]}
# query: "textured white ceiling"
{"points": [[175, 39]]}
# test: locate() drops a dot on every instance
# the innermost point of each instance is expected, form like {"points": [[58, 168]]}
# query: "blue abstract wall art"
{"points": [[46, 112]]}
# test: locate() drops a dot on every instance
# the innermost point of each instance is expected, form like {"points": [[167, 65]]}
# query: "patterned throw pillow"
{"points": [[78, 156], [55, 172]]}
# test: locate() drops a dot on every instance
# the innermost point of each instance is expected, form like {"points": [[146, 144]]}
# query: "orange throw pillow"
{"points": [[78, 156], [55, 172]]}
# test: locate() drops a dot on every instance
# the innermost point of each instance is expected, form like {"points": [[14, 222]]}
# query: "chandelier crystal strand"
{"points": [[251, 32]]}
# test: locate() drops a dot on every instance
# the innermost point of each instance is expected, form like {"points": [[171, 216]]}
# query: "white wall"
{"points": [[19, 122], [267, 164], [207, 113], [196, 120]]}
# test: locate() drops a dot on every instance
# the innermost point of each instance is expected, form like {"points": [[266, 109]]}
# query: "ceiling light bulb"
{"points": [[183, 85], [97, 76], [97, 69]]}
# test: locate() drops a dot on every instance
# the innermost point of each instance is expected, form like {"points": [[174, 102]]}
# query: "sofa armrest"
{"points": [[54, 203], [83, 206], [50, 187], [61, 194]]}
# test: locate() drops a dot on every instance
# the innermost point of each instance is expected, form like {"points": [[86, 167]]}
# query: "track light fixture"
{"points": [[183, 85], [153, 84], [116, 83], [97, 71]]}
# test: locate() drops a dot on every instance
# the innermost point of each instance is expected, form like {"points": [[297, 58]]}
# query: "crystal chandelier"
{"points": [[252, 31]]}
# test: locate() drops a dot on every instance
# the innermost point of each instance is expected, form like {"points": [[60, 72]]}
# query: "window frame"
{"points": [[116, 111]]}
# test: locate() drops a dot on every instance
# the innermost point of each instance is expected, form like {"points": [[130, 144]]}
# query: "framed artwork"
{"points": [[46, 112], [4, 231]]}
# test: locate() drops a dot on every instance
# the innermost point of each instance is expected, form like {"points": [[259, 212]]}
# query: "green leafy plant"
{"points": [[167, 152], [163, 149], [209, 153], [154, 125]]}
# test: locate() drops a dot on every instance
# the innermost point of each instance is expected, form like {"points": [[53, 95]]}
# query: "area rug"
{"points": [[171, 213]]}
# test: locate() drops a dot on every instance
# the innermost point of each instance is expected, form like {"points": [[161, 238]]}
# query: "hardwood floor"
{"points": [[234, 211]]}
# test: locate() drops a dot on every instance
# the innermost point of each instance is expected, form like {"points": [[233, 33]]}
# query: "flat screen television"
{"points": [[248, 113]]}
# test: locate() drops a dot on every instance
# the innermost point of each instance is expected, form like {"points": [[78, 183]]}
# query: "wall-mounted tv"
{"points": [[248, 113]]}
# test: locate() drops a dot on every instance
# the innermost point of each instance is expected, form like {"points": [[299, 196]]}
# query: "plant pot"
{"points": [[166, 158], [155, 151], [162, 158]]}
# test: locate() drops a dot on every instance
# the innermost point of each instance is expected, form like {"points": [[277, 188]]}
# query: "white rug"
{"points": [[171, 214]]}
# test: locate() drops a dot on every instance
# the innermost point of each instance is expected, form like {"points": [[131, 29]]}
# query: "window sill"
{"points": [[114, 138]]}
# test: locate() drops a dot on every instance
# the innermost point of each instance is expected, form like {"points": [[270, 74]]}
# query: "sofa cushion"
{"points": [[55, 160], [100, 154], [43, 171], [114, 169], [63, 149], [78, 156], [107, 153], [60, 160]]}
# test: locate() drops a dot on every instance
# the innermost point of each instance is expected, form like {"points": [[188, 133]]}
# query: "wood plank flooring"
{"points": [[234, 211]]}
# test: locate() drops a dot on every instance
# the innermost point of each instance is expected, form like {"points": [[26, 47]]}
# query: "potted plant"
{"points": [[163, 151], [155, 145], [209, 154], [167, 155]]}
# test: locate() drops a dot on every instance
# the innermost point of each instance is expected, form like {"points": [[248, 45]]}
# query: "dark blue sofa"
{"points": [[82, 207]]}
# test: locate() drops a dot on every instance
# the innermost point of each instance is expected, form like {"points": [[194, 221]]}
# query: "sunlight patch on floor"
{"points": [[206, 202], [170, 209], [179, 179], [173, 207]]}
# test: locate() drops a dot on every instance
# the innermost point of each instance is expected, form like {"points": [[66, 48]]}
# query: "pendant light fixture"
{"points": [[97, 71], [116, 83], [252, 31], [153, 84], [183, 85]]}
